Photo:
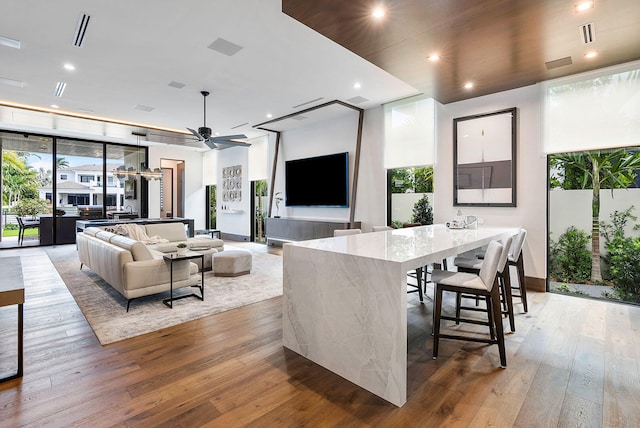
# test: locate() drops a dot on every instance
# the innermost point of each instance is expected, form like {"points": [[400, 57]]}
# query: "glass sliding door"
{"points": [[125, 188], [27, 165], [78, 189]]}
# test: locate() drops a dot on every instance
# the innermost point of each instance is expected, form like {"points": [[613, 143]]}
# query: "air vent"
{"points": [[60, 87], [357, 100], [177, 85], [298, 117], [12, 82], [558, 63], [588, 33], [225, 47], [308, 102], [81, 30], [5, 41], [144, 108], [241, 125]]}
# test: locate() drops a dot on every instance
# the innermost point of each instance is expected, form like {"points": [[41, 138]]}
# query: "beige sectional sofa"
{"points": [[164, 237], [135, 268]]}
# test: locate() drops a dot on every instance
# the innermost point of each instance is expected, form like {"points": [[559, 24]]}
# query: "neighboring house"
{"points": [[82, 185]]}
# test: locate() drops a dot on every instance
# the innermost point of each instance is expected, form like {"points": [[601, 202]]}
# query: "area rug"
{"points": [[106, 310]]}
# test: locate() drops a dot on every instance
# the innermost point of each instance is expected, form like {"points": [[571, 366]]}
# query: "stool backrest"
{"points": [[518, 243], [504, 255], [489, 267], [345, 232]]}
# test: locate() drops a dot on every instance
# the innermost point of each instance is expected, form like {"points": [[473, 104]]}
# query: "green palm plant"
{"points": [[598, 169]]}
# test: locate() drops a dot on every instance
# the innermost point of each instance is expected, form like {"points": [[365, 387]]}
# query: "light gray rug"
{"points": [[106, 310]]}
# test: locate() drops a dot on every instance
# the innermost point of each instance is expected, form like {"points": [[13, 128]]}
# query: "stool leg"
{"points": [[437, 310], [523, 287], [497, 318], [419, 280], [506, 278]]}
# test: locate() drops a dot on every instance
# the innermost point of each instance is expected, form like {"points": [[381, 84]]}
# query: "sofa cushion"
{"points": [[138, 250], [103, 235], [172, 232], [166, 247], [204, 242], [91, 231]]}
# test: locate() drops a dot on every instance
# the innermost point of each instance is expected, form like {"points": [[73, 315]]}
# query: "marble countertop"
{"points": [[404, 245]]}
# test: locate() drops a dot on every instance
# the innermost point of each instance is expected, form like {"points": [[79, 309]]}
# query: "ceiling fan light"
{"points": [[204, 131]]}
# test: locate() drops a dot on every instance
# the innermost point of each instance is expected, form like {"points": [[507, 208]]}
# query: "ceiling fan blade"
{"points": [[210, 143], [231, 140], [196, 134], [231, 137]]}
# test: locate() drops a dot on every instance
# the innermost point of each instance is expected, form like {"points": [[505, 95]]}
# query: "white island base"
{"points": [[345, 299]]}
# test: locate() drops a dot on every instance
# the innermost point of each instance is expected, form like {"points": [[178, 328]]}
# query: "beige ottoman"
{"points": [[231, 263]]}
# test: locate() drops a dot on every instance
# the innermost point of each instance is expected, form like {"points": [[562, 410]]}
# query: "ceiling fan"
{"points": [[204, 134]]}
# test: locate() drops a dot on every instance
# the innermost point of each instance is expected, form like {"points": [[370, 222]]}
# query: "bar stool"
{"points": [[503, 278], [516, 259], [484, 285]]}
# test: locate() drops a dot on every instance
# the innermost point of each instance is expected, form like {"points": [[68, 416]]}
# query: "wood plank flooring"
{"points": [[572, 362]]}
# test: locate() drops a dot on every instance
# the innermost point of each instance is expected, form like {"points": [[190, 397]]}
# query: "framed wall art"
{"points": [[484, 159]]}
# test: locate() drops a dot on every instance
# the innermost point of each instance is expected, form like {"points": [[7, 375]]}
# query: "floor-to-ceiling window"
{"points": [[27, 177], [594, 237], [49, 182], [259, 205], [410, 192], [211, 207]]}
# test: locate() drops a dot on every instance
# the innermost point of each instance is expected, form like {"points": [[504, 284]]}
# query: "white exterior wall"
{"points": [[573, 208]]}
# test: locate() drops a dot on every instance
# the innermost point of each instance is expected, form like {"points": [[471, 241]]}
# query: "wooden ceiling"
{"points": [[496, 44]]}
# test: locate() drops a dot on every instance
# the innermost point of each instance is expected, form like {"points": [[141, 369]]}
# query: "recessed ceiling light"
{"points": [[69, 67], [378, 13], [269, 115], [591, 54], [582, 6], [468, 85], [357, 85], [433, 57], [54, 106]]}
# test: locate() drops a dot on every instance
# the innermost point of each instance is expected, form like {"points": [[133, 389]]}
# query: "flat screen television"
{"points": [[318, 181]]}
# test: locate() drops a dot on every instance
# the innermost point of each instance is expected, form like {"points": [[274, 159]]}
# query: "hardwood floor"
{"points": [[571, 362]]}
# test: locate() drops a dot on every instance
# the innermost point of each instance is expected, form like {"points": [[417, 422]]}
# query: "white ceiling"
{"points": [[134, 49]]}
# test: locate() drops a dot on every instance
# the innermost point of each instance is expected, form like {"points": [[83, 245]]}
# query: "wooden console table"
{"points": [[12, 293]]}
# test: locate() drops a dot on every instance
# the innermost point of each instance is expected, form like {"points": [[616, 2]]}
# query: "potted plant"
{"points": [[182, 249]]}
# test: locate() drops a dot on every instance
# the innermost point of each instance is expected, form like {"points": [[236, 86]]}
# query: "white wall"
{"points": [[317, 139], [194, 191], [235, 219], [371, 203], [530, 212]]}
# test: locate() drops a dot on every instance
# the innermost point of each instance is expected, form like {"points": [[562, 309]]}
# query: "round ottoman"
{"points": [[231, 263]]}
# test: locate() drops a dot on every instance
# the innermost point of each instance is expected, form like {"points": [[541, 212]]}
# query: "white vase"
{"points": [[182, 251]]}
